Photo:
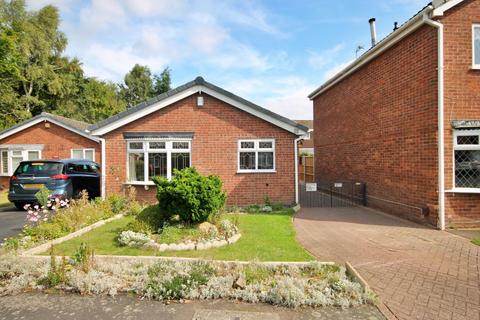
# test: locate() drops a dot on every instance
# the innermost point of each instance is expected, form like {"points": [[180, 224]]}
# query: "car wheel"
{"points": [[19, 205]]}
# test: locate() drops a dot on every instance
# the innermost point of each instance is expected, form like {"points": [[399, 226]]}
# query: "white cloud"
{"points": [[102, 14], [62, 5], [329, 73], [319, 60], [287, 95]]}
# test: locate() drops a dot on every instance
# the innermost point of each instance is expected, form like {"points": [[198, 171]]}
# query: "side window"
{"points": [[476, 46]]}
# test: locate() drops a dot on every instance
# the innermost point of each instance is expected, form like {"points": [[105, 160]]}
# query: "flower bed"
{"points": [[194, 237], [291, 285], [55, 219]]}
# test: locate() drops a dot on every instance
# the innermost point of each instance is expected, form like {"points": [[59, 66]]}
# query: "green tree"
{"points": [[137, 85], [162, 83], [140, 85]]}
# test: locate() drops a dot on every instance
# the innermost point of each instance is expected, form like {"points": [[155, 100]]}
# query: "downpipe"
{"points": [[104, 165], [441, 136]]}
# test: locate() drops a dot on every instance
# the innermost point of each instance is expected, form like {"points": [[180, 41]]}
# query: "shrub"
{"points": [[139, 226], [43, 196], [83, 257], [190, 195], [152, 216], [133, 239], [117, 202]]}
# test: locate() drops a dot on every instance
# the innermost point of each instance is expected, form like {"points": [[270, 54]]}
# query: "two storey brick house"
{"points": [[405, 118]]}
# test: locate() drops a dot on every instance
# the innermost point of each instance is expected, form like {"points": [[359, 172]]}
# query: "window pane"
{"points": [[33, 155], [265, 145], [467, 140], [135, 145], [136, 167], [247, 145], [157, 145], [90, 154], [5, 162], [17, 153], [467, 168], [16, 162], [180, 161], [157, 165], [180, 145], [77, 154], [247, 160], [265, 160], [476, 44]]}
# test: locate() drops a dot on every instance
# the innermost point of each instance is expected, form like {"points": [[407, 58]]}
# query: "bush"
{"points": [[151, 216], [133, 239], [117, 202], [190, 195]]}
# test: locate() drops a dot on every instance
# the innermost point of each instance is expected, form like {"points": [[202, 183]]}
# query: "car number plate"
{"points": [[33, 185]]}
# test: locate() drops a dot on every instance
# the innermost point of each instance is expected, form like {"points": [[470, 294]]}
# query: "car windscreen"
{"points": [[39, 169]]}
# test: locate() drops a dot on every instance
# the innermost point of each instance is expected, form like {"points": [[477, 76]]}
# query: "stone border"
{"points": [[45, 246], [184, 246], [384, 310]]}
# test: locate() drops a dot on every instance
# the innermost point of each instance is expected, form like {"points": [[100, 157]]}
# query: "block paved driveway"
{"points": [[418, 272]]}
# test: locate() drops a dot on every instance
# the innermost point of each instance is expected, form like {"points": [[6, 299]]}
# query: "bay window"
{"points": [[10, 159], [148, 159], [467, 159], [256, 155]]}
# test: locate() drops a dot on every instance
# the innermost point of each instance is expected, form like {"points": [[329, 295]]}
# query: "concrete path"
{"points": [[75, 307], [419, 273], [11, 222]]}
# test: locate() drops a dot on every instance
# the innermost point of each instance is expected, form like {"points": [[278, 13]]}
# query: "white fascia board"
{"points": [[29, 124], [382, 46], [444, 7], [146, 111], [188, 92]]}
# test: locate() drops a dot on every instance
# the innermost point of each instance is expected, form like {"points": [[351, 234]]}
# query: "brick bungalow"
{"points": [[405, 118], [45, 136], [252, 149]]}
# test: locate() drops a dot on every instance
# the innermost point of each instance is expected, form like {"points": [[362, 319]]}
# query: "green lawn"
{"points": [[476, 241], [265, 237], [3, 199]]}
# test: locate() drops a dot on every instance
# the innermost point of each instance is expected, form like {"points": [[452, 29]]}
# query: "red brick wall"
{"points": [[217, 127], [462, 102], [57, 142], [379, 126]]}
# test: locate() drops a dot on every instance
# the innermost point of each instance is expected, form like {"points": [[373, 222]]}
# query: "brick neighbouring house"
{"points": [[45, 136], [378, 120], [252, 149]]}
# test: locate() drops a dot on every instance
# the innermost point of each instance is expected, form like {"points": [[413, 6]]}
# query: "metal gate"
{"points": [[332, 194]]}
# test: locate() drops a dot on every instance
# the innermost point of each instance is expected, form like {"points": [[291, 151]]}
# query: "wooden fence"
{"points": [[305, 169]]}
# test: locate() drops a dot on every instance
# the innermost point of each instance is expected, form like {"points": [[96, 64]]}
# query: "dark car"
{"points": [[65, 178]]}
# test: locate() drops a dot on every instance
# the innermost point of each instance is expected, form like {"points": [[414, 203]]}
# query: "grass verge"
{"points": [[476, 241], [265, 237]]}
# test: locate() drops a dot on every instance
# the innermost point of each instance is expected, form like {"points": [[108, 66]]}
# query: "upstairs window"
{"points": [[467, 159], [256, 155], [476, 46]]}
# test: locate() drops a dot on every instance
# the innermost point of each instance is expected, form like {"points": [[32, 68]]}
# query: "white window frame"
{"points": [[459, 147], [146, 150], [84, 150], [10, 156], [256, 149], [474, 65]]}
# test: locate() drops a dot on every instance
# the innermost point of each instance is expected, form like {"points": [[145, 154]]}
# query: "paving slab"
{"points": [[41, 306], [419, 272]]}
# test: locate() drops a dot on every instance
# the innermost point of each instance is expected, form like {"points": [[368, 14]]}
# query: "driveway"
{"points": [[11, 222], [419, 273]]}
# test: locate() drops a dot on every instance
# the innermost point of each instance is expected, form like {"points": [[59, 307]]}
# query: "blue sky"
{"points": [[273, 53]]}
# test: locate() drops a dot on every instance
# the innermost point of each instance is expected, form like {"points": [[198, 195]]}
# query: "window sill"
{"points": [[256, 171], [139, 183], [4, 175], [463, 190], [475, 67]]}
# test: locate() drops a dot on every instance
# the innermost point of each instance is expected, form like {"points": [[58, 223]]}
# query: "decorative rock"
{"points": [[163, 247], [266, 209], [205, 227], [190, 246], [200, 246], [240, 283]]}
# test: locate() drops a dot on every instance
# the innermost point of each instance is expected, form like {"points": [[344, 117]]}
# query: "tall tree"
{"points": [[162, 83], [139, 84]]}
